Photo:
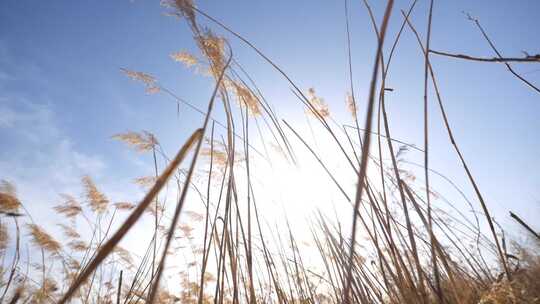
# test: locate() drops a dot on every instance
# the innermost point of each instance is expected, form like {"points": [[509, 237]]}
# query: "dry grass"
{"points": [[401, 248]]}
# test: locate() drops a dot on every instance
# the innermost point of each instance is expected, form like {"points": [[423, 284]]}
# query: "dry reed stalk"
{"points": [[365, 148], [522, 223], [462, 159], [426, 157], [180, 204]]}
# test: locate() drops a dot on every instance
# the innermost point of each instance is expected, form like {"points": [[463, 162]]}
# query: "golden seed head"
{"points": [[69, 232], [78, 245], [9, 203], [97, 201], [124, 205], [149, 81], [184, 57], [351, 105], [319, 105], [145, 181], [43, 240], [245, 97], [141, 142], [4, 236], [212, 47], [69, 208]]}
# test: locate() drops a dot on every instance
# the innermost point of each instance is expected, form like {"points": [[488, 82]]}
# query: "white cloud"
{"points": [[38, 157]]}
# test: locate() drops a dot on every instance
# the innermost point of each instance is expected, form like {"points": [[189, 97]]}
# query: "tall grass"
{"points": [[400, 248]]}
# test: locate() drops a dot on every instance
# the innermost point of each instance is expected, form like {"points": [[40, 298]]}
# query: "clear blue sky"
{"points": [[62, 95]]}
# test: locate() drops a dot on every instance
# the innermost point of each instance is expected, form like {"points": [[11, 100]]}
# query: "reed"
{"points": [[400, 248]]}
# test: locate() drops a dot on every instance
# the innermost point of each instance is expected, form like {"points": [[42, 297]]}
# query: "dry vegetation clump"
{"points": [[408, 242], [524, 286]]}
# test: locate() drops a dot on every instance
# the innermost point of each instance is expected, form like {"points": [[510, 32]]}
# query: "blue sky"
{"points": [[62, 95]]}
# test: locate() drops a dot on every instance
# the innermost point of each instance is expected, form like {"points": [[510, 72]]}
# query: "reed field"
{"points": [[389, 228]]}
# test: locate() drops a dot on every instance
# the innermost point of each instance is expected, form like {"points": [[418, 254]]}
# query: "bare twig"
{"points": [[475, 20], [526, 59]]}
